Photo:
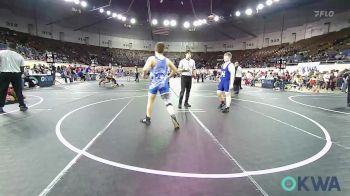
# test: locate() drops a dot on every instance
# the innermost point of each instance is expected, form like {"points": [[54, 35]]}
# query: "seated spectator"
{"points": [[81, 75], [11, 97]]}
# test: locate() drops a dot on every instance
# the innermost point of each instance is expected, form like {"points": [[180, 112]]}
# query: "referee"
{"points": [[186, 67], [238, 78], [10, 71]]}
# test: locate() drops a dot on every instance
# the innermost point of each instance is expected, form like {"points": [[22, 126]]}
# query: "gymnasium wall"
{"points": [[21, 24]]}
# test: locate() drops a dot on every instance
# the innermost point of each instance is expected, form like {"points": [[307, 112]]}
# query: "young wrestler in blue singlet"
{"points": [[158, 67], [226, 83]]}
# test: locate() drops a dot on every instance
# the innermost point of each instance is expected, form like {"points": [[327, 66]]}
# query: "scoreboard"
{"points": [[281, 64], [51, 57]]}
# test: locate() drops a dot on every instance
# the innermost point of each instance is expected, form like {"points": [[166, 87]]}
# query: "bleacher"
{"points": [[324, 47]]}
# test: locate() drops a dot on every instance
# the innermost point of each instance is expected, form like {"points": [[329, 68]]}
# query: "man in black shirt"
{"points": [[347, 77]]}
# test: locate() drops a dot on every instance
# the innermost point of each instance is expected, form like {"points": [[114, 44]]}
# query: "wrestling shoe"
{"points": [[23, 108], [146, 121], [175, 123], [226, 110], [187, 105], [221, 105]]}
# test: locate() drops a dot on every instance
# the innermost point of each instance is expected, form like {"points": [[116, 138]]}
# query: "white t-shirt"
{"points": [[188, 65], [326, 77], [10, 61], [239, 72]]}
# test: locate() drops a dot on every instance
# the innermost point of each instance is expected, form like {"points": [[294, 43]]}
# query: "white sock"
{"points": [[228, 100], [170, 109]]}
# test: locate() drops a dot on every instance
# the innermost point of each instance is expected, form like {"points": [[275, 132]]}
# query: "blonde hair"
{"points": [[229, 54]]}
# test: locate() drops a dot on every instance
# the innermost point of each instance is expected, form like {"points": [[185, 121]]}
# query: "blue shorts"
{"points": [[224, 86], [163, 89]]}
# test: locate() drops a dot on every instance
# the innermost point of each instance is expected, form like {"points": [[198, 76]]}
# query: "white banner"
{"points": [[305, 68]]}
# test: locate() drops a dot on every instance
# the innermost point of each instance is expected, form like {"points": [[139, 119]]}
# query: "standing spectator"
{"points": [[203, 73], [53, 73], [120, 72], [348, 80], [137, 74], [59, 69], [198, 73], [344, 84], [215, 74], [73, 74], [67, 75], [331, 82], [86, 72], [321, 81], [326, 80], [10, 71]]}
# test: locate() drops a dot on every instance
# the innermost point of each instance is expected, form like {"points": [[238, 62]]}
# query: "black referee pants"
{"points": [[237, 84], [16, 81], [186, 83]]}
